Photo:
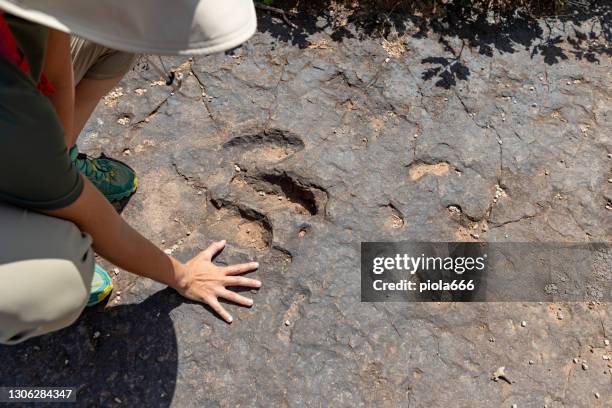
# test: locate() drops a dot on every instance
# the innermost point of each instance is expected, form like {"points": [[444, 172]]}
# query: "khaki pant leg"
{"points": [[46, 269], [93, 61]]}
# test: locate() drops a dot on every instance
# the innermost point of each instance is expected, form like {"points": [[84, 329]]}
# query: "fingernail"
{"points": [[256, 264], [258, 284], [231, 319], [250, 302], [223, 242]]}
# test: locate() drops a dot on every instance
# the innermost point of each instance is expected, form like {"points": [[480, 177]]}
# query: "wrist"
{"points": [[180, 276]]}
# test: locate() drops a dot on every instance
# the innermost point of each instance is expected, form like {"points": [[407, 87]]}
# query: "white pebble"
{"points": [[287, 323], [523, 323]]}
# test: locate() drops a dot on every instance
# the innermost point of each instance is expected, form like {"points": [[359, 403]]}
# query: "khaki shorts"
{"points": [[93, 61], [46, 268], [46, 263]]}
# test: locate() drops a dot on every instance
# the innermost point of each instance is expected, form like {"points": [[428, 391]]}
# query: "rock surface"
{"points": [[303, 143]]}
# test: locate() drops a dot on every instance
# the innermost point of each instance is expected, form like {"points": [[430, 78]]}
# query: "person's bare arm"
{"points": [[58, 70], [198, 279]]}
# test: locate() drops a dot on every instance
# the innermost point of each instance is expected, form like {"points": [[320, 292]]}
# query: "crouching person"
{"points": [[55, 206]]}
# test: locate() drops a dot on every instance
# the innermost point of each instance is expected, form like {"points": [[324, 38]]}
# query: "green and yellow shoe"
{"points": [[101, 286], [115, 179]]}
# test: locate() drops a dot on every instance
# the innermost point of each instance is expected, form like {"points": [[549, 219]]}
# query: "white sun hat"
{"points": [[162, 27]]}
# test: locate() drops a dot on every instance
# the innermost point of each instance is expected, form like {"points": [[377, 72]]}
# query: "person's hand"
{"points": [[205, 282]]}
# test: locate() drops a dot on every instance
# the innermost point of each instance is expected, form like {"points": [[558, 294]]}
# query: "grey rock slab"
{"points": [[295, 148]]}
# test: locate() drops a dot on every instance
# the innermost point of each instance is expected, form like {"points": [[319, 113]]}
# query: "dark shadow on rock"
{"points": [[447, 69], [124, 355], [484, 33]]}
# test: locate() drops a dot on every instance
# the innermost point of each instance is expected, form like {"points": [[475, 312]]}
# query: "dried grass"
{"points": [[434, 7], [429, 7]]}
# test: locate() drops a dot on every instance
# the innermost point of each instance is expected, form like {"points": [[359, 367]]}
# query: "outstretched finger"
{"points": [[235, 297], [216, 306], [240, 268], [241, 281], [212, 250]]}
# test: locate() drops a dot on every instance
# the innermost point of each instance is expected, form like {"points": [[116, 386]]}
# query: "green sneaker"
{"points": [[115, 179], [101, 286]]}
